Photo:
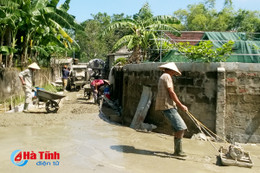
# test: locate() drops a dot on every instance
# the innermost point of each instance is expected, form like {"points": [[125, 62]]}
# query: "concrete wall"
{"points": [[10, 83], [223, 96], [242, 118]]}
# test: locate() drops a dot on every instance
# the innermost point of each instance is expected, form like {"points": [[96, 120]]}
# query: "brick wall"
{"points": [[196, 88], [223, 96], [242, 119]]}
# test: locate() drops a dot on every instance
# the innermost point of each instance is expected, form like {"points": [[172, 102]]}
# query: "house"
{"points": [[121, 53], [58, 64]]}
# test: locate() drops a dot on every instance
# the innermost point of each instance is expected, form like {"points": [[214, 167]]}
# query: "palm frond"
{"points": [[61, 31], [69, 18], [39, 4], [166, 19], [156, 40], [57, 18], [2, 14], [124, 23], [53, 3], [53, 49], [65, 6], [9, 3], [164, 27], [41, 50], [123, 41]]}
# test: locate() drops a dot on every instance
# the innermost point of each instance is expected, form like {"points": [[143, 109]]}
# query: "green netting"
{"points": [[244, 50]]}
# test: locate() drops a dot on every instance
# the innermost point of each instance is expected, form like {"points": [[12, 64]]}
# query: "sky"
{"points": [[82, 9]]}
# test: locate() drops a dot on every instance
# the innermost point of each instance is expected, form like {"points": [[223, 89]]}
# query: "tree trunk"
{"points": [[10, 60], [1, 58], [9, 43], [135, 57], [25, 51], [1, 44]]}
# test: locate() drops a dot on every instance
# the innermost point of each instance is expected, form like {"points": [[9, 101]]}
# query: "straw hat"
{"points": [[170, 66], [34, 66], [106, 81]]}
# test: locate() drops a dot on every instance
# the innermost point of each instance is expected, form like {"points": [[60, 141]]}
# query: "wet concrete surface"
{"points": [[87, 142]]}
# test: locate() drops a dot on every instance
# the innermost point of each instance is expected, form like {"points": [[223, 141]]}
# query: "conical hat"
{"points": [[34, 66], [170, 66], [106, 81]]}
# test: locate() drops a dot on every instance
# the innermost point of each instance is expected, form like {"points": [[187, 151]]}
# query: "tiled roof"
{"points": [[193, 37]]}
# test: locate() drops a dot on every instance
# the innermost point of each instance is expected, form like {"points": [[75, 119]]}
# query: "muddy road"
{"points": [[87, 143]]}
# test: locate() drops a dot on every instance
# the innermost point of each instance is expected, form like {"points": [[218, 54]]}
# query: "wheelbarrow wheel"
{"points": [[51, 106]]}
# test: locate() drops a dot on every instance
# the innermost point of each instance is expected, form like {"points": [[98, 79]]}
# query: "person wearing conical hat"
{"points": [[26, 78], [167, 102]]}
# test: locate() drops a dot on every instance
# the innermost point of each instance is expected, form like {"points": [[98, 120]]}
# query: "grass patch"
{"points": [[51, 88], [11, 102]]}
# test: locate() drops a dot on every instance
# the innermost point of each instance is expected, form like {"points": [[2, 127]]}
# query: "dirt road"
{"points": [[87, 143]]}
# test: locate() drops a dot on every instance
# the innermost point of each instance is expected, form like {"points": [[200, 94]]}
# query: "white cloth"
{"points": [[27, 76]]}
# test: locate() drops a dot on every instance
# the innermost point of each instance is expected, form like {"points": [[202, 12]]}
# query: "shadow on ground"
{"points": [[131, 149]]}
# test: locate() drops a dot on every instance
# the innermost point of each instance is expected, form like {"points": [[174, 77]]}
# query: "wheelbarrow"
{"points": [[49, 98]]}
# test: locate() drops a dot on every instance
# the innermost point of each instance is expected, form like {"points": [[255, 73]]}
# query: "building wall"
{"points": [[242, 118], [10, 83], [223, 96]]}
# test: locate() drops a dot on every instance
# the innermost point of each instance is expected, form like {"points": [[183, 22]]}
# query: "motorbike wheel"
{"points": [[51, 106]]}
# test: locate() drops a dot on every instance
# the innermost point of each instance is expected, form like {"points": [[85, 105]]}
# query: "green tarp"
{"points": [[244, 50]]}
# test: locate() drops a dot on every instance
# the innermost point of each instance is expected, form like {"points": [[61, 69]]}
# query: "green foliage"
{"points": [[246, 21], [35, 26], [38, 29], [204, 17], [120, 61], [14, 100], [91, 43], [205, 51], [49, 87], [143, 33]]}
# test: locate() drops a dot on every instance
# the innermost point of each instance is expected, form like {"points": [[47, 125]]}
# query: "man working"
{"points": [[26, 78], [95, 85], [167, 102], [65, 76]]}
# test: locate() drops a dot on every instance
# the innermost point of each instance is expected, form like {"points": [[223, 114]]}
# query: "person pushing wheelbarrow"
{"points": [[26, 78]]}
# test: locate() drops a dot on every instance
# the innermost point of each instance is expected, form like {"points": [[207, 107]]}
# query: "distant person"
{"points": [[167, 102], [95, 86], [27, 77], [65, 76]]}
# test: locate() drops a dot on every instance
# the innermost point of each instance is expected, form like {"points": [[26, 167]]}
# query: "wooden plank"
{"points": [[142, 108]]}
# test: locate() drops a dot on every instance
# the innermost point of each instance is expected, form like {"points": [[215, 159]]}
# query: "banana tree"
{"points": [[144, 32], [10, 20], [42, 18]]}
